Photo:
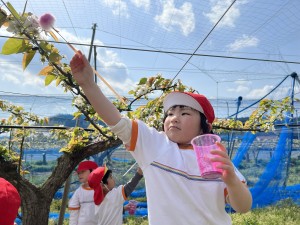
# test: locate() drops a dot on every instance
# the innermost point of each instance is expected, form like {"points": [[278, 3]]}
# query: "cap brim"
{"points": [[180, 98]]}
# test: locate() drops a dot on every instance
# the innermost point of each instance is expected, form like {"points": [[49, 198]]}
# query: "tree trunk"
{"points": [[36, 201], [35, 208]]}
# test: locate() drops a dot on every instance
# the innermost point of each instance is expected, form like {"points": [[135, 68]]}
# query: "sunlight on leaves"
{"points": [[27, 58], [46, 70], [49, 79], [12, 46]]}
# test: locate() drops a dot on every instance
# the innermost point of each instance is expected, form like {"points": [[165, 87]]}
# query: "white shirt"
{"points": [[82, 207], [176, 193], [110, 211]]}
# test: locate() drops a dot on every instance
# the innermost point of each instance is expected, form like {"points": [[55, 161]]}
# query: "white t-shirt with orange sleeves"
{"points": [[82, 207], [110, 211], [176, 193]]}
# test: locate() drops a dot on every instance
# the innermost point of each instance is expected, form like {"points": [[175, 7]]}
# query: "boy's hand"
{"points": [[81, 69], [226, 165], [139, 171], [126, 207]]}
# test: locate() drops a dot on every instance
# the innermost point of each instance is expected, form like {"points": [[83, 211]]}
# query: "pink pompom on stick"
{"points": [[46, 21]]}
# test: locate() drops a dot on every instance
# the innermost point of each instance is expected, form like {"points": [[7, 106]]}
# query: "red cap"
{"points": [[87, 165], [195, 101], [94, 181], [10, 202]]}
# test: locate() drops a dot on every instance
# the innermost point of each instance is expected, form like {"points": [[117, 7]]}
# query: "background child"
{"points": [[176, 193], [81, 205], [10, 202], [108, 198]]}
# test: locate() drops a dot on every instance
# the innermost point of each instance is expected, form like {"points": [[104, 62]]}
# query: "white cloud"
{"points": [[172, 17], [243, 42], [118, 7], [218, 9], [14, 79], [259, 92], [109, 66], [241, 87], [145, 4]]}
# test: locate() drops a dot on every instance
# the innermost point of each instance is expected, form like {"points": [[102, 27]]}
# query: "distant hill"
{"points": [[67, 120]]}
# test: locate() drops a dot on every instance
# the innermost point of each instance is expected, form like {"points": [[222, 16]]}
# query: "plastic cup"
{"points": [[202, 145], [132, 206]]}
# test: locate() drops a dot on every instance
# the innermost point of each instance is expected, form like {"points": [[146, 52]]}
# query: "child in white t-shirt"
{"points": [[109, 199], [81, 205], [176, 193]]}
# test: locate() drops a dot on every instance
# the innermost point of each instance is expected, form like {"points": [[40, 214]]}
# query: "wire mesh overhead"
{"points": [[210, 45]]}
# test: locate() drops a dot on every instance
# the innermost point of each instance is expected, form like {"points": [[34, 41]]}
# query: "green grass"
{"points": [[273, 215], [284, 213]]}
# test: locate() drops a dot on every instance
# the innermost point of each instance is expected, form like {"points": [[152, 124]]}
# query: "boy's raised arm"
{"points": [[130, 186], [84, 75]]}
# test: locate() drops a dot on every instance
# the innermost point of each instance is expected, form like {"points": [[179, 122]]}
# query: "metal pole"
{"points": [[64, 201], [95, 61], [295, 77], [91, 48], [92, 41], [230, 150]]}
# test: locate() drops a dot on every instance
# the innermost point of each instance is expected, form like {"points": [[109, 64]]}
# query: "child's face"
{"points": [[111, 182], [182, 124], [83, 176]]}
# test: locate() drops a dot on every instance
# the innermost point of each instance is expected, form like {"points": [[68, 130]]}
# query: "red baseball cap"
{"points": [[87, 165], [10, 202], [94, 181], [195, 101]]}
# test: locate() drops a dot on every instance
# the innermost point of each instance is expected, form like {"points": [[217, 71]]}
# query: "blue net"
{"points": [[246, 143], [266, 160]]}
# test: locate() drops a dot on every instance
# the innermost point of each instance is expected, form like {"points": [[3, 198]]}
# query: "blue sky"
{"points": [[250, 29]]}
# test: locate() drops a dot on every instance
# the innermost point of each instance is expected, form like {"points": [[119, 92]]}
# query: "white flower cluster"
{"points": [[142, 90], [269, 127], [28, 22], [79, 101]]}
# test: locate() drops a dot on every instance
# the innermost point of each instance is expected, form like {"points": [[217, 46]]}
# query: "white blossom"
{"points": [[142, 90], [79, 101]]}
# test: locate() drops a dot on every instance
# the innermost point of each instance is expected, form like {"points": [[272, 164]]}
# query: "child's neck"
{"points": [[85, 185]]}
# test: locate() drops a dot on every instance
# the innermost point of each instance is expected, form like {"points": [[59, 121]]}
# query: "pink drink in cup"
{"points": [[202, 145], [132, 206]]}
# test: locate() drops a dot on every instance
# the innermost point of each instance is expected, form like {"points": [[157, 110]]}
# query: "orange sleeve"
{"points": [[134, 134], [73, 208], [123, 193]]}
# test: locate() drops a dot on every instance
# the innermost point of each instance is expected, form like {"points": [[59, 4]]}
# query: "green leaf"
{"points": [[28, 56], [12, 46], [26, 47], [13, 11], [143, 81], [49, 79], [45, 46], [77, 115], [46, 70], [131, 92], [54, 57], [58, 81]]}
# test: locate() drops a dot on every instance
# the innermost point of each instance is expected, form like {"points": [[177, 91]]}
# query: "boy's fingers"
{"points": [[221, 146]]}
